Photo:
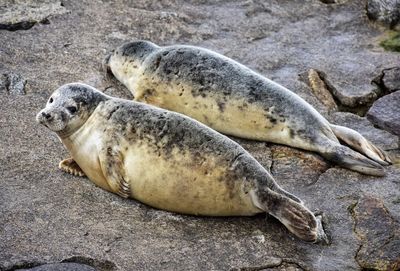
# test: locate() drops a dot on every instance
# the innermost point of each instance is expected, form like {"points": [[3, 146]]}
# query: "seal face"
{"points": [[235, 100], [167, 160]]}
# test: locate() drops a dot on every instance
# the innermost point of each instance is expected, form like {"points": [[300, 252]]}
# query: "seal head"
{"points": [[68, 108], [128, 59]]}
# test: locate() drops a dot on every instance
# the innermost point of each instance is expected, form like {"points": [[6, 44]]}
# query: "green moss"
{"points": [[392, 43]]}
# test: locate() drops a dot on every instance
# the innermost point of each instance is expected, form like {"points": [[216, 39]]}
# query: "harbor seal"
{"points": [[237, 101], [167, 160]]}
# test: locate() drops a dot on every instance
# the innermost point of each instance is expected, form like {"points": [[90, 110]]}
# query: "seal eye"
{"points": [[51, 100], [71, 109]]}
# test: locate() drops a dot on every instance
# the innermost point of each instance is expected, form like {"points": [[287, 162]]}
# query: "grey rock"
{"points": [[22, 15], [379, 233], [12, 83], [51, 217], [386, 12], [390, 79], [385, 113], [380, 138], [61, 267], [16, 84]]}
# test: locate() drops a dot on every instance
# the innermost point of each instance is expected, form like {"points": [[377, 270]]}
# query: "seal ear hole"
{"points": [[72, 109]]}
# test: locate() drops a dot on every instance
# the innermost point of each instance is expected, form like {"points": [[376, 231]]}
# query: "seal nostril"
{"points": [[47, 116]]}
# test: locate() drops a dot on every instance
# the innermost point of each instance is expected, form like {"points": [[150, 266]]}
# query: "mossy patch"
{"points": [[392, 43]]}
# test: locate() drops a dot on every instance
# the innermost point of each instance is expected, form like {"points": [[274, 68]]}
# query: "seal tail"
{"points": [[347, 158], [361, 144]]}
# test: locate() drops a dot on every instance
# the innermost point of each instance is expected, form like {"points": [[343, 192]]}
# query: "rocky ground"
{"points": [[326, 51]]}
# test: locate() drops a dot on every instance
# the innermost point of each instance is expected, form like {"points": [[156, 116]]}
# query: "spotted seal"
{"points": [[166, 160], [235, 100]]}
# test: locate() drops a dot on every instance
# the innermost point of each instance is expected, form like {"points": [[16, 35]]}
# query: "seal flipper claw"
{"points": [[361, 144], [321, 235], [70, 166]]}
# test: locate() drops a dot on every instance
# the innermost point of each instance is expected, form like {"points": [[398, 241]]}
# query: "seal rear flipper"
{"points": [[279, 190], [70, 166], [347, 158], [361, 144], [295, 216], [111, 162]]}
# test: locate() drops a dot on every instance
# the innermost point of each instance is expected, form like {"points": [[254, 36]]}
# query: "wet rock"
{"points": [[61, 267], [386, 12], [380, 138], [22, 15], [379, 234], [12, 83], [385, 113]]}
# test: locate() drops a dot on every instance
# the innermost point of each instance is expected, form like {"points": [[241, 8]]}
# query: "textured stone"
{"points": [[379, 233], [23, 14], [321, 90], [385, 113], [61, 267], [391, 79], [386, 12], [12, 83]]}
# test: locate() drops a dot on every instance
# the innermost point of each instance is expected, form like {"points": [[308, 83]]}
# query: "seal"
{"points": [[237, 101], [167, 160]]}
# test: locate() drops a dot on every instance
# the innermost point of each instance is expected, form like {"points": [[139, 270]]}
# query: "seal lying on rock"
{"points": [[166, 160], [235, 100]]}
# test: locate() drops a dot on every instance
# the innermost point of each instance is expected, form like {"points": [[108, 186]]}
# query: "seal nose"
{"points": [[46, 115]]}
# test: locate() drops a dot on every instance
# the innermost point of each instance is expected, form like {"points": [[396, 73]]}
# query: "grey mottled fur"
{"points": [[138, 123], [209, 73]]}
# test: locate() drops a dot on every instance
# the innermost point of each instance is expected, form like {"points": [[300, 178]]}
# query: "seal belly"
{"points": [[229, 115], [177, 183]]}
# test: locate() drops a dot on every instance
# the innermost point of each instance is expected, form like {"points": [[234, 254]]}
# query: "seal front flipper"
{"points": [[295, 216], [70, 166], [111, 163], [361, 144]]}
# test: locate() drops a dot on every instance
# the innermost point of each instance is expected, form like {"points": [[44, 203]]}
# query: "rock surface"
{"points": [[385, 113], [12, 83], [390, 79], [386, 12], [61, 267], [22, 15], [48, 217], [379, 233]]}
